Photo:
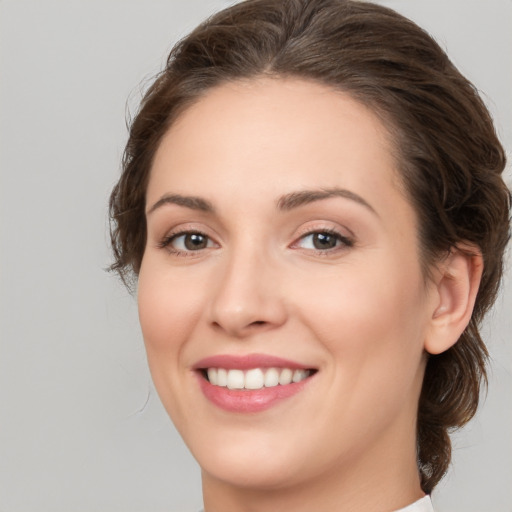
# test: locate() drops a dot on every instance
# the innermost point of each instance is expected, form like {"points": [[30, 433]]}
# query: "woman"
{"points": [[313, 209]]}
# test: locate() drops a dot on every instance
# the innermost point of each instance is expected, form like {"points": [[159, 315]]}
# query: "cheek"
{"points": [[373, 315], [373, 329], [168, 309]]}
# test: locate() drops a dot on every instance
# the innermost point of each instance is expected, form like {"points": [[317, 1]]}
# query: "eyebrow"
{"points": [[192, 202], [303, 197], [284, 203]]}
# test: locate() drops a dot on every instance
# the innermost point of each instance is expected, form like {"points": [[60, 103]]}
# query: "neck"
{"points": [[386, 478]]}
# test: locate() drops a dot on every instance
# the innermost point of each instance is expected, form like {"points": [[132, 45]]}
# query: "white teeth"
{"points": [[285, 377], [222, 377], [271, 378], [299, 375], [255, 378], [236, 379], [212, 376]]}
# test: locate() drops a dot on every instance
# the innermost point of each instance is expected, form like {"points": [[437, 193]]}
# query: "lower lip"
{"points": [[247, 401]]}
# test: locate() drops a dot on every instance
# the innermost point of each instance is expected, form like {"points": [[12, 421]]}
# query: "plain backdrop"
{"points": [[81, 427]]}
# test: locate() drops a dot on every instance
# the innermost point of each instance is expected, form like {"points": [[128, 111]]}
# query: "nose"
{"points": [[247, 297]]}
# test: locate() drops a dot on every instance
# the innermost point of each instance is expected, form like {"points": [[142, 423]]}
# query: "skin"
{"points": [[361, 313]]}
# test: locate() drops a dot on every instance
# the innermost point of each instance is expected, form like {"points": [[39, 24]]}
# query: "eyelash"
{"points": [[344, 241], [167, 241]]}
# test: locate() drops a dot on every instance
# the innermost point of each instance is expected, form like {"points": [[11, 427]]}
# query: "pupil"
{"points": [[324, 241], [195, 241]]}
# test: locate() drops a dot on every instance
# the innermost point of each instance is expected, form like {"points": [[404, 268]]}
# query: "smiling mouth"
{"points": [[254, 378]]}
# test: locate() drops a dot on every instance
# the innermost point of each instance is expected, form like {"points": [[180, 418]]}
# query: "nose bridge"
{"points": [[246, 295]]}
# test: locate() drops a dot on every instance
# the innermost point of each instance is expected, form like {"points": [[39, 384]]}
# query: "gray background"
{"points": [[81, 428]]}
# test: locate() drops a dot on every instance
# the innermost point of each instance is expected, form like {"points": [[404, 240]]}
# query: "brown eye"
{"points": [[187, 242], [195, 241], [324, 241]]}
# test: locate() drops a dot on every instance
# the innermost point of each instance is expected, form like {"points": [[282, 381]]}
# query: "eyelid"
{"points": [[347, 240], [343, 234], [182, 230], [184, 227], [319, 225]]}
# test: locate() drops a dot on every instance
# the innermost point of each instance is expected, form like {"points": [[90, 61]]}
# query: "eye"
{"points": [[323, 241], [189, 241]]}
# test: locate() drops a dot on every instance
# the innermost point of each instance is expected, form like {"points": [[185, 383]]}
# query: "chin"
{"points": [[248, 459], [252, 473]]}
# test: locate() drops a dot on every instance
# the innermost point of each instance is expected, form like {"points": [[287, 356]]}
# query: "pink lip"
{"points": [[247, 401], [246, 362]]}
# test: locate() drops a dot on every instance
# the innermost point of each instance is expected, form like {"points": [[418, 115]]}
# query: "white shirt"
{"points": [[422, 505]]}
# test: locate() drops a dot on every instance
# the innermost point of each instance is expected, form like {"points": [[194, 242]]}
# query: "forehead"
{"points": [[271, 134]]}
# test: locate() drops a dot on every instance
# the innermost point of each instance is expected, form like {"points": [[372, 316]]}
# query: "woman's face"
{"points": [[281, 247]]}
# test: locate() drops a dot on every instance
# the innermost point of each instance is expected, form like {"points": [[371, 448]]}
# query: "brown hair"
{"points": [[447, 150]]}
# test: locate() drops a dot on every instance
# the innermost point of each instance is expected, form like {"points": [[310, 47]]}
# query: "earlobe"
{"points": [[457, 282]]}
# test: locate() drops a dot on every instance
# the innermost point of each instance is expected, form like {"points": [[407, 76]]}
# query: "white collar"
{"points": [[422, 505]]}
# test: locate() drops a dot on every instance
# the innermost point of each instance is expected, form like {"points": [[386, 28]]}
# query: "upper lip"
{"points": [[246, 362]]}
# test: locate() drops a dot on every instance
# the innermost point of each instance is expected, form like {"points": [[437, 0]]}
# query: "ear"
{"points": [[456, 282]]}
